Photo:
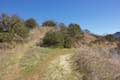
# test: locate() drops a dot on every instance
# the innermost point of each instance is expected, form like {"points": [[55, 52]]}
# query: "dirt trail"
{"points": [[60, 68]]}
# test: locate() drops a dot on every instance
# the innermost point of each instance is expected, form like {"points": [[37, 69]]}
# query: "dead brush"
{"points": [[94, 66]]}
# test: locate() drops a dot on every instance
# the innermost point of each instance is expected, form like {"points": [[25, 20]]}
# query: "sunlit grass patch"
{"points": [[21, 66], [35, 57]]}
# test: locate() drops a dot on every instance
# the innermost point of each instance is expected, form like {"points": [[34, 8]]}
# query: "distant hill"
{"points": [[116, 35]]}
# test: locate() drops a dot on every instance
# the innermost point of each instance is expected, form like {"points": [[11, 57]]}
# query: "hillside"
{"points": [[116, 35], [28, 61], [59, 40]]}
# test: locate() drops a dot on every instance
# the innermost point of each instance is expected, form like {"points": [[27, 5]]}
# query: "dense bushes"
{"points": [[67, 42], [31, 23], [18, 27], [12, 28], [49, 23], [57, 39], [6, 37], [110, 38], [74, 32], [64, 37], [54, 39]]}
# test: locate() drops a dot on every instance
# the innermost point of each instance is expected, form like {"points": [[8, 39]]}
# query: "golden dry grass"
{"points": [[97, 64]]}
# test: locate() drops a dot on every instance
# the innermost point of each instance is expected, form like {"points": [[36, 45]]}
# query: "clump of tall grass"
{"points": [[95, 65]]}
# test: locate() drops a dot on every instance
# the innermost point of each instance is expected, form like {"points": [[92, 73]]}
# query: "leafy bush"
{"points": [[54, 39], [18, 27], [67, 42], [31, 23], [11, 28], [74, 29], [6, 37], [74, 32], [65, 37], [49, 23], [57, 40], [110, 38]]}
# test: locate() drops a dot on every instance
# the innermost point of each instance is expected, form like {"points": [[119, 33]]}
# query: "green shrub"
{"points": [[18, 27], [20, 30], [64, 37], [109, 38], [67, 42], [74, 32], [57, 39], [6, 37], [49, 23], [74, 29], [31, 23], [11, 28], [53, 39]]}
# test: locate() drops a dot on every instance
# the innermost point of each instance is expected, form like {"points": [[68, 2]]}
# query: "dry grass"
{"points": [[97, 64], [33, 64], [29, 62], [9, 58]]}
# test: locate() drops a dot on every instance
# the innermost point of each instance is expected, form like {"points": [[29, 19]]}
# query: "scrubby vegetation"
{"points": [[74, 32], [12, 28], [31, 23], [49, 23], [64, 37], [54, 39], [110, 37]]}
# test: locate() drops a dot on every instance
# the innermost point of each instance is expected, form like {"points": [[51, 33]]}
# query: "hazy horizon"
{"points": [[98, 16]]}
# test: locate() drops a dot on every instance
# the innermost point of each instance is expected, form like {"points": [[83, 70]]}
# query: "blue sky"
{"points": [[99, 16]]}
